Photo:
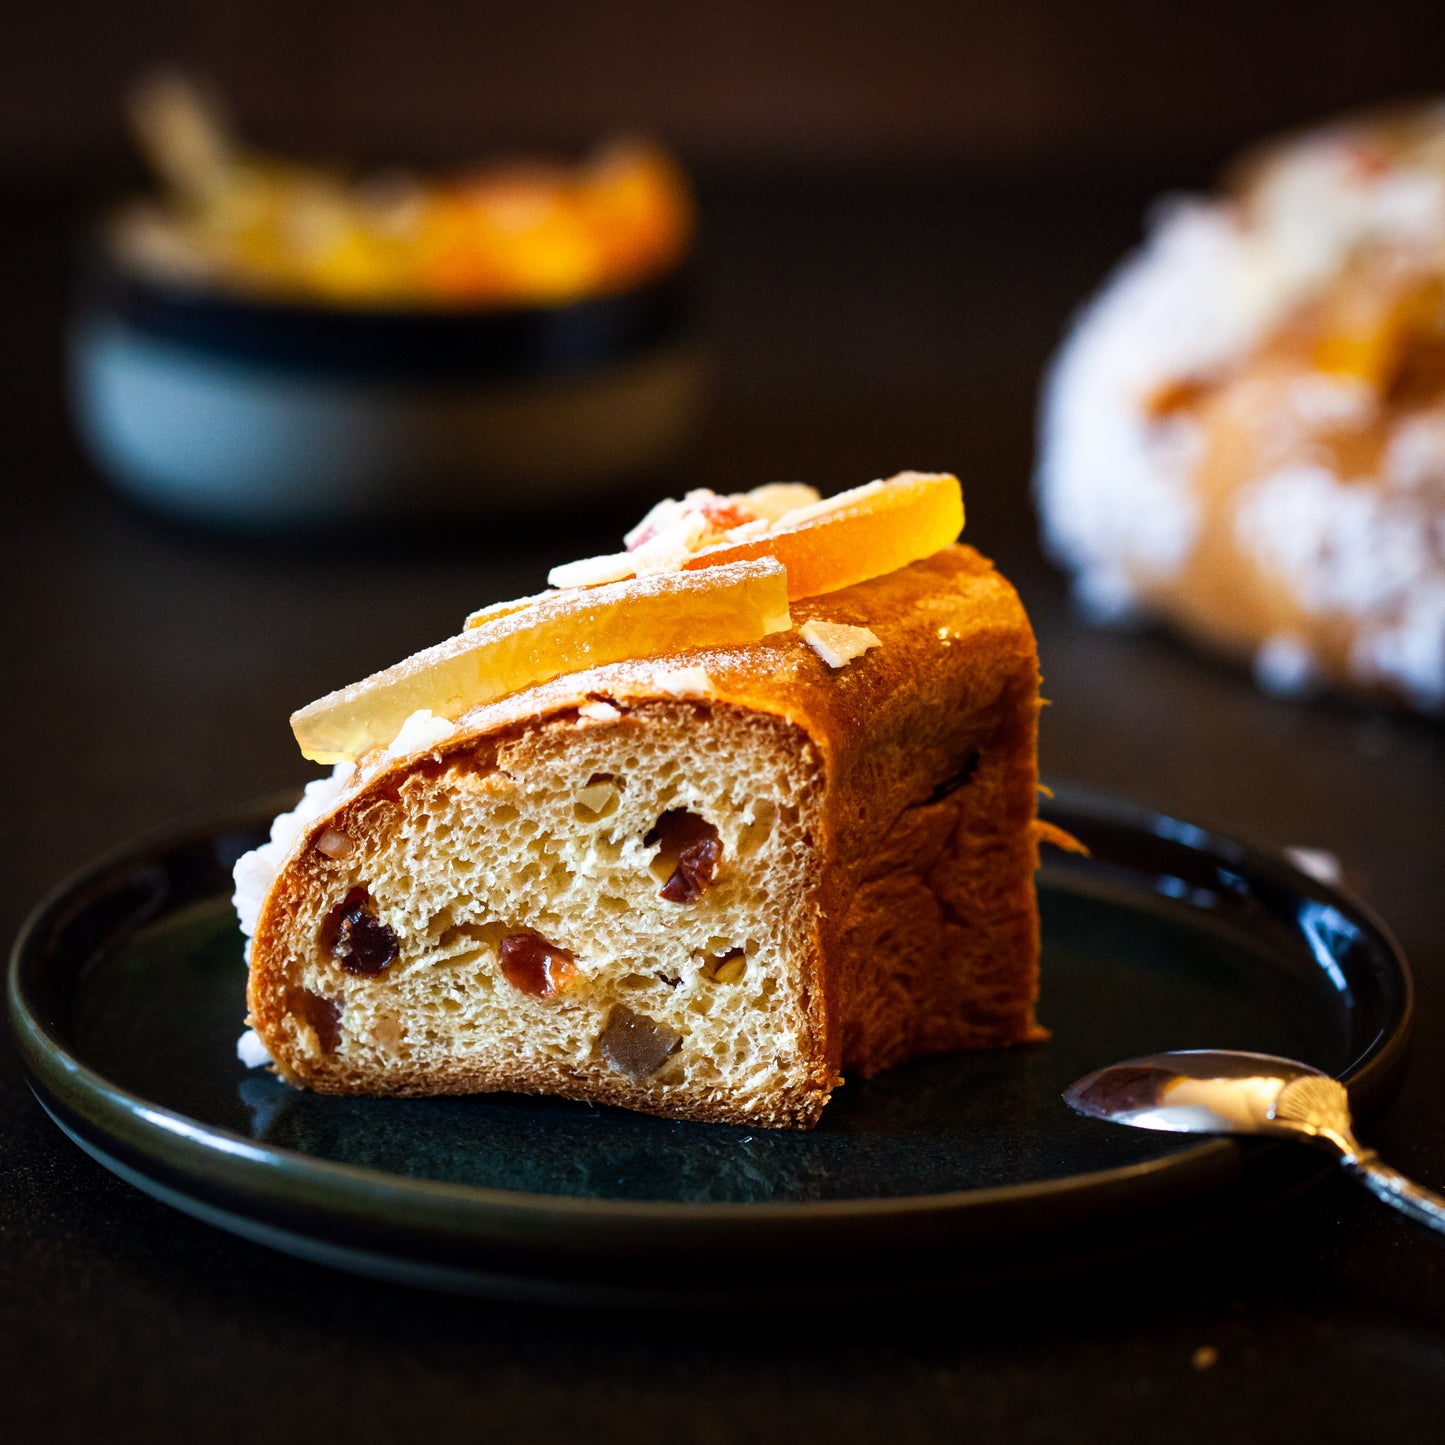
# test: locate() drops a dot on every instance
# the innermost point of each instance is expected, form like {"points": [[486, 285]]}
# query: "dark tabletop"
{"points": [[857, 327]]}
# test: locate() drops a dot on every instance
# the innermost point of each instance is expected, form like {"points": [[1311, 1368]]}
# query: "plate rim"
{"points": [[315, 1184]]}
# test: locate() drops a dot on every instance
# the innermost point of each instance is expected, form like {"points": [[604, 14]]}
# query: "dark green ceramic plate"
{"points": [[127, 995]]}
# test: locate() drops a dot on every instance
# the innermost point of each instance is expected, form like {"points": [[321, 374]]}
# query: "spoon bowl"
{"points": [[1200, 1091], [1224, 1091]]}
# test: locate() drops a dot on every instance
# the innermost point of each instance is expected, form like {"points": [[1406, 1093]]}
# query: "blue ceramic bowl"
{"points": [[244, 413]]}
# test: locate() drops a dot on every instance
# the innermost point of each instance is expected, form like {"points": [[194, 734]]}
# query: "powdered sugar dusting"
{"points": [[1342, 547], [1408, 651], [1115, 487]]}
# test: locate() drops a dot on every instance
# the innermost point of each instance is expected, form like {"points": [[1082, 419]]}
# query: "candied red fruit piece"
{"points": [[691, 845], [357, 938], [694, 872], [533, 965]]}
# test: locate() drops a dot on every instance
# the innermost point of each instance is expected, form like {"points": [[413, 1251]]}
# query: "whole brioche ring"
{"points": [[1244, 433]]}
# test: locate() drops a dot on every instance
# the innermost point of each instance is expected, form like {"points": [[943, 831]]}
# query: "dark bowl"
{"points": [[238, 412]]}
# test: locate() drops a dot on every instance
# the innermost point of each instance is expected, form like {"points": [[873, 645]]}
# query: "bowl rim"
{"points": [[306, 335]]}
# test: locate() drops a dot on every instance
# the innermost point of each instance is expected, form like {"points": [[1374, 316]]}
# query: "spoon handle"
{"points": [[1422, 1205]]}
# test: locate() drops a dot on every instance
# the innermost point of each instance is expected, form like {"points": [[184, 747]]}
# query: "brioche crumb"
{"points": [[556, 836]]}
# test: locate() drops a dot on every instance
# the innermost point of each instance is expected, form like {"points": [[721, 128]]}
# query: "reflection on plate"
{"points": [[127, 992]]}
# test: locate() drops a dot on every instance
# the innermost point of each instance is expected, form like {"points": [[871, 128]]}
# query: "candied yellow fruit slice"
{"points": [[854, 535], [504, 609], [1370, 325], [556, 634]]}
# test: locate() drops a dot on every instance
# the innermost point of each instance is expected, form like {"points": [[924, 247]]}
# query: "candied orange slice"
{"points": [[855, 535], [554, 634], [505, 609], [1368, 329]]}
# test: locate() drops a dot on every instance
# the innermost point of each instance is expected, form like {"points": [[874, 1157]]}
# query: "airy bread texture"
{"points": [[699, 886]]}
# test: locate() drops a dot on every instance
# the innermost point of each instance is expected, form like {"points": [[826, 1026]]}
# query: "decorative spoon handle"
{"points": [[1422, 1205]]}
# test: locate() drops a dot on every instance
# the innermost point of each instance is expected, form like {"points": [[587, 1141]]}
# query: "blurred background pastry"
{"points": [[1244, 433], [515, 233]]}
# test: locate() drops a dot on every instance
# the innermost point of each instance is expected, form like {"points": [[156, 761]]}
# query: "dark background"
{"points": [[1035, 85], [901, 205]]}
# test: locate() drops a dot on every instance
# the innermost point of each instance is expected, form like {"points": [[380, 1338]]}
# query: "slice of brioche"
{"points": [[698, 885]]}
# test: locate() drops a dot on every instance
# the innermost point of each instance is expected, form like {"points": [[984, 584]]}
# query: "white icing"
{"points": [[1105, 596], [672, 531], [1316, 203], [669, 549], [1415, 455], [1321, 401], [422, 730], [251, 1051], [659, 518]]}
